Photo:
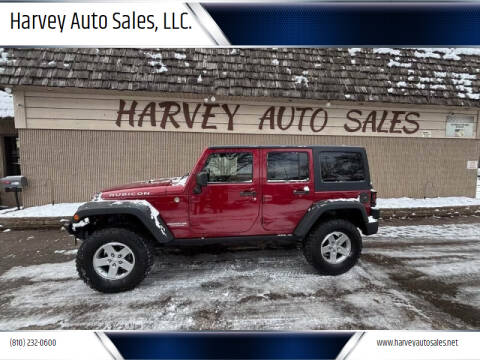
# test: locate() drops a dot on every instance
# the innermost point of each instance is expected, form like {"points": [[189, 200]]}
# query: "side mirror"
{"points": [[202, 180]]}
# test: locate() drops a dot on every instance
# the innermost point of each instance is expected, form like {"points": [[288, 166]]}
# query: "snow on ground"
{"points": [[408, 203], [57, 210], [260, 290], [268, 289], [438, 232], [66, 252], [451, 267], [56, 271], [68, 209]]}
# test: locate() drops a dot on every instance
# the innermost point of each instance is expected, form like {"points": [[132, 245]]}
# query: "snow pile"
{"points": [[429, 79], [398, 64], [427, 53], [445, 53], [57, 210], [156, 62], [409, 203], [353, 51], [6, 104], [179, 56], [3, 56], [66, 252], [300, 80], [393, 52], [183, 180], [463, 83]]}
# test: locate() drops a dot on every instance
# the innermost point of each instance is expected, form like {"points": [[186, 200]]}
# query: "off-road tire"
{"points": [[312, 244], [141, 247]]}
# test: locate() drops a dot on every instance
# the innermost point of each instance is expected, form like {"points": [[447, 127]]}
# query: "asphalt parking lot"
{"points": [[412, 275]]}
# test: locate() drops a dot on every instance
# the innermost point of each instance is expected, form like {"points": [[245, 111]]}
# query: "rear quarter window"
{"points": [[341, 166]]}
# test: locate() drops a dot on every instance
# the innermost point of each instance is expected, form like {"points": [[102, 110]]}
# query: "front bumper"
{"points": [[375, 213], [68, 226], [372, 226], [77, 231]]}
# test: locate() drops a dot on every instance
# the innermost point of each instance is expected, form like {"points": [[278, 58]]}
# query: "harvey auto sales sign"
{"points": [[288, 119], [134, 113]]}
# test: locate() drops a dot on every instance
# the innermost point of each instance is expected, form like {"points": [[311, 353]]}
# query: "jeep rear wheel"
{"points": [[333, 247], [114, 259]]}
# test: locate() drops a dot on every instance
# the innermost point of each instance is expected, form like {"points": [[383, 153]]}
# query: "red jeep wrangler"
{"points": [[320, 195]]}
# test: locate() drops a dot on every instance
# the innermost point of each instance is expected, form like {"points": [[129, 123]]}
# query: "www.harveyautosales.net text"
{"points": [[93, 21]]}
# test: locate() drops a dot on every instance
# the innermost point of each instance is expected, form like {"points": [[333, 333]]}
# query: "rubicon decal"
{"points": [[122, 194]]}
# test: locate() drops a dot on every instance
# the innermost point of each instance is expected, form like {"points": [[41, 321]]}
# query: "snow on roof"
{"points": [[446, 53], [409, 203], [439, 76], [6, 105]]}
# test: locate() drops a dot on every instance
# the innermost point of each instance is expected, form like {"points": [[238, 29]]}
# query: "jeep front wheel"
{"points": [[333, 247], [114, 259]]}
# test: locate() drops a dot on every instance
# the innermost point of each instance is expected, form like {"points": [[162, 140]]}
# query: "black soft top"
{"points": [[316, 147]]}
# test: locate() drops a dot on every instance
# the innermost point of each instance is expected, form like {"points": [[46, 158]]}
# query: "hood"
{"points": [[146, 188]]}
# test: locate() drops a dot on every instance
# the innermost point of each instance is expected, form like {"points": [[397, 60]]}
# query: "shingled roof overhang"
{"points": [[410, 76]]}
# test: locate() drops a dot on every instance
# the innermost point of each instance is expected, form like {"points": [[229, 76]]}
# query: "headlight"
{"points": [[97, 197]]}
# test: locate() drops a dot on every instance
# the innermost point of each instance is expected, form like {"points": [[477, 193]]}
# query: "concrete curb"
{"points": [[450, 211], [23, 223]]}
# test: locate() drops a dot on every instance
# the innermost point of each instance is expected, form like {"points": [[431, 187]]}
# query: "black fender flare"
{"points": [[141, 209], [319, 208]]}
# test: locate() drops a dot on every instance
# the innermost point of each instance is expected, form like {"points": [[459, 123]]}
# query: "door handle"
{"points": [[267, 198], [248, 193], [303, 191]]}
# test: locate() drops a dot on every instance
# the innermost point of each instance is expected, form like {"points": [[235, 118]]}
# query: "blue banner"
{"points": [[231, 345], [347, 24]]}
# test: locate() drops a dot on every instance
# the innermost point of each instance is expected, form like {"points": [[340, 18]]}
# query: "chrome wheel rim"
{"points": [[336, 247], [113, 261]]}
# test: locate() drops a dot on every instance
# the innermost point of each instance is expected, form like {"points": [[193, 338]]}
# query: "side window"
{"points": [[337, 166], [287, 166], [229, 167]]}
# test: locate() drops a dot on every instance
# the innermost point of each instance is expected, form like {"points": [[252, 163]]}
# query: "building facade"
{"points": [[92, 118]]}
